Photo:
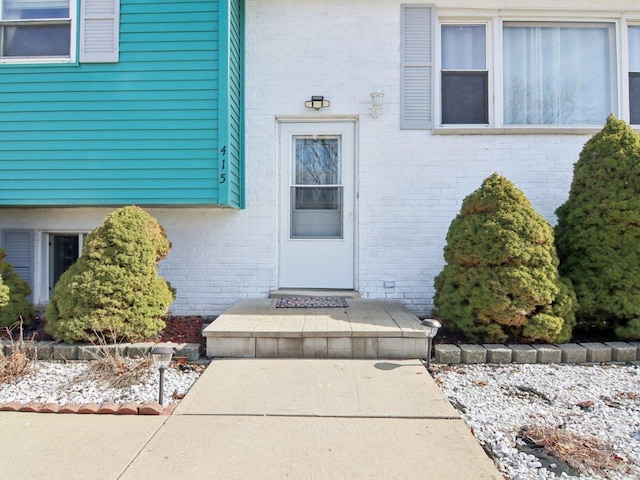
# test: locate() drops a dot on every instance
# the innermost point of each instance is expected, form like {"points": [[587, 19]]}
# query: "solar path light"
{"points": [[431, 328], [162, 358]]}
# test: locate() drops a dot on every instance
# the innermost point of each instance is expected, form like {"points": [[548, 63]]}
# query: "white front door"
{"points": [[317, 205]]}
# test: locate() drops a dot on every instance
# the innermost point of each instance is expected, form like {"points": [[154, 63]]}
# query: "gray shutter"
{"points": [[99, 31], [18, 244], [417, 67]]}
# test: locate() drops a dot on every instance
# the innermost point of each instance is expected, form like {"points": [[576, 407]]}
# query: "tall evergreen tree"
{"points": [[501, 279], [598, 231]]}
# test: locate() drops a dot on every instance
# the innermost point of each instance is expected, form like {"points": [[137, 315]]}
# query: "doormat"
{"points": [[311, 302]]}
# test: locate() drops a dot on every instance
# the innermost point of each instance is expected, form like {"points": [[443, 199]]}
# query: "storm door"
{"points": [[317, 205]]}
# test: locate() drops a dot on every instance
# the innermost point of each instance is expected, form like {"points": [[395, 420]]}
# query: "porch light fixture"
{"points": [[376, 101], [161, 358], [431, 328], [317, 102]]}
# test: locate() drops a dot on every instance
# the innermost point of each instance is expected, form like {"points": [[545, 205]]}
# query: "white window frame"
{"points": [[490, 67], [73, 16], [625, 88], [494, 22]]}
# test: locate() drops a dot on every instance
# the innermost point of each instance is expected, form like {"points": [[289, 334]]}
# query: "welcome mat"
{"points": [[311, 302]]}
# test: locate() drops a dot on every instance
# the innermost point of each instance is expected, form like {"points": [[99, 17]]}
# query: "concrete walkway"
{"points": [[263, 419]]}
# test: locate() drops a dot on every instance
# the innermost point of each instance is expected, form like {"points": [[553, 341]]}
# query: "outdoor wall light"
{"points": [[317, 102], [431, 328], [376, 101], [161, 358]]}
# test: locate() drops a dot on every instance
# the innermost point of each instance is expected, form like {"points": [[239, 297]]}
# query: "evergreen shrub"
{"points": [[501, 280], [113, 292], [14, 296], [598, 232], [4, 293]]}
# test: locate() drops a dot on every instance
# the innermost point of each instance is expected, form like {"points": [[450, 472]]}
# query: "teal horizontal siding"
{"points": [[145, 130]]}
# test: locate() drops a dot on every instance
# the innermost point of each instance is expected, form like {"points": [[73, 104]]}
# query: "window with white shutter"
{"points": [[417, 67]]}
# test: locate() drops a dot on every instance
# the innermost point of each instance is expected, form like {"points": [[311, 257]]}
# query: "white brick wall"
{"points": [[411, 183]]}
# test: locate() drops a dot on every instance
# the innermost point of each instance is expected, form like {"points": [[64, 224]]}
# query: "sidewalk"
{"points": [[257, 419]]}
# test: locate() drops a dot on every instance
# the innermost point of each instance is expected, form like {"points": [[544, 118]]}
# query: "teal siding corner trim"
{"points": [[146, 130], [230, 120]]}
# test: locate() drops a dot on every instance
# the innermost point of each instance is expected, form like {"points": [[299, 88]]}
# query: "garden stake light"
{"points": [[431, 328], [162, 358]]}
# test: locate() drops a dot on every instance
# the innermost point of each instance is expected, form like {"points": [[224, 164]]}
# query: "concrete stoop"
{"points": [[366, 329], [571, 353]]}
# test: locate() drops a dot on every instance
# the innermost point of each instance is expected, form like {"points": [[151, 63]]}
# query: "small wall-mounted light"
{"points": [[376, 101], [317, 102], [431, 328]]}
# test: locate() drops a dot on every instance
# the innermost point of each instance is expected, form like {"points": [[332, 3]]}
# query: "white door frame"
{"points": [[287, 128]]}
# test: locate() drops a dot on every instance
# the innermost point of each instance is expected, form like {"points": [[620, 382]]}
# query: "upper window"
{"points": [[517, 72], [464, 79], [35, 29], [634, 74], [557, 74]]}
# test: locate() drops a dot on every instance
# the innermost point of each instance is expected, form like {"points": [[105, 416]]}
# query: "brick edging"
{"points": [[108, 408], [570, 353]]}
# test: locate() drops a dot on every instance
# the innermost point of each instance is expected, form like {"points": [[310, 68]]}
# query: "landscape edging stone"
{"points": [[567, 353]]}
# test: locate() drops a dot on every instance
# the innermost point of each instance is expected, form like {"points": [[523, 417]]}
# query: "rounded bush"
{"points": [[113, 291], [14, 296], [598, 232], [501, 280]]}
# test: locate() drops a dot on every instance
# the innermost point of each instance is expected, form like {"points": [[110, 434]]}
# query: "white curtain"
{"points": [[634, 49], [463, 47], [557, 75]]}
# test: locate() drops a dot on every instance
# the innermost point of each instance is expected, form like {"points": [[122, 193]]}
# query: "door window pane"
{"points": [[557, 75], [317, 161], [634, 74], [316, 193], [464, 78], [316, 212]]}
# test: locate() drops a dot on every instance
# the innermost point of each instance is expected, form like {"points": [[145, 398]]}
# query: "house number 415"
{"points": [[223, 176]]}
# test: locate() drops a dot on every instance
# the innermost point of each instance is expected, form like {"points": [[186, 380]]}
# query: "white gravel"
{"points": [[497, 401], [52, 382]]}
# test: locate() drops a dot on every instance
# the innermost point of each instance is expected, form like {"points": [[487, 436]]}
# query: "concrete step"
{"points": [[364, 329]]}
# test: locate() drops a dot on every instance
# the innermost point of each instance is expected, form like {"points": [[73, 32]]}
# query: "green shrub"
{"points": [[4, 293], [113, 291], [501, 280], [598, 232], [14, 293]]}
